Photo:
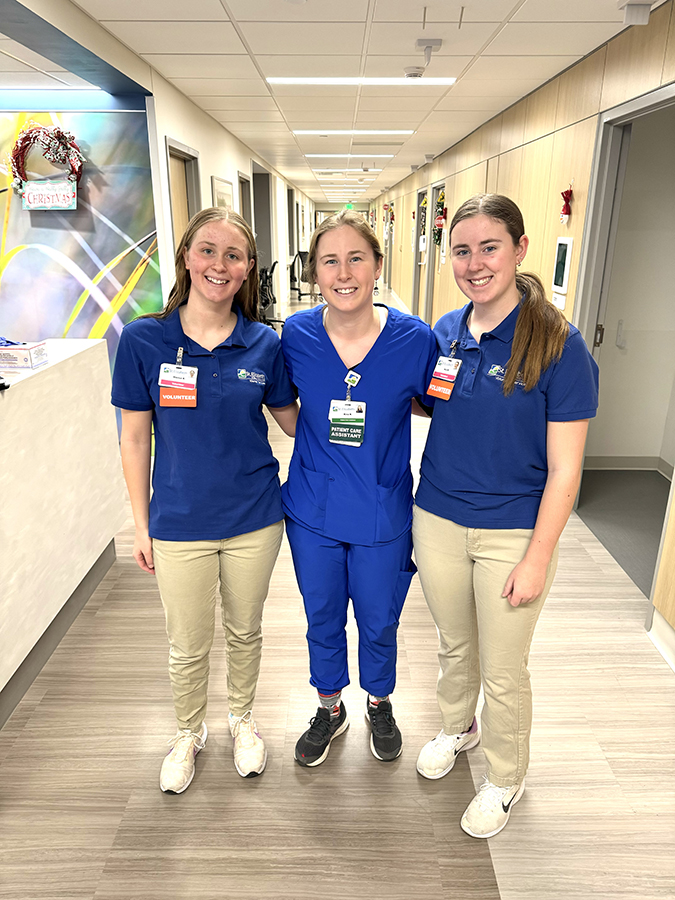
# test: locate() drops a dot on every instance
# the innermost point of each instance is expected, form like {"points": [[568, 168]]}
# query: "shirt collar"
{"points": [[175, 337], [503, 332]]}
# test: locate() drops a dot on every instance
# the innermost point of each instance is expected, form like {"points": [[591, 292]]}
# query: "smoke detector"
{"points": [[414, 71]]}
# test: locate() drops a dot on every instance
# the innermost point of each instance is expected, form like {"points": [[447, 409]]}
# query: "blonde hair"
{"points": [[541, 329], [344, 217], [247, 297]]}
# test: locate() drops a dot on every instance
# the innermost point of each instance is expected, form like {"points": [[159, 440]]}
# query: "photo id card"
{"points": [[347, 422], [443, 380]]}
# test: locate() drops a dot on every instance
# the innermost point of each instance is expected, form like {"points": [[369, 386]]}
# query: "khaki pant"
{"points": [[188, 573], [481, 636]]}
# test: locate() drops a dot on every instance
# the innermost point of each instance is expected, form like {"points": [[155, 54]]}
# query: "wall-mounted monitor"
{"points": [[561, 268]]}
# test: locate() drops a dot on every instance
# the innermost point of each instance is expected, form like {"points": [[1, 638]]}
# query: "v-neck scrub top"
{"points": [[485, 463], [359, 495], [214, 476]]}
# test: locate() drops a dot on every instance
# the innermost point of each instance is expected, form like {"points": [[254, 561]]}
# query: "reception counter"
{"points": [[61, 502]]}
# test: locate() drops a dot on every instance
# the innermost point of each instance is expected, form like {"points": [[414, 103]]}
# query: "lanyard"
{"points": [[179, 357], [351, 380]]}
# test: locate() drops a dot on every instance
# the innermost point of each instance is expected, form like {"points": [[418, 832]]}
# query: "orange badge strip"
{"points": [[178, 397]]}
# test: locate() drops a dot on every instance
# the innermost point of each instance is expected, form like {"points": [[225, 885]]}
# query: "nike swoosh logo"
{"points": [[508, 806]]}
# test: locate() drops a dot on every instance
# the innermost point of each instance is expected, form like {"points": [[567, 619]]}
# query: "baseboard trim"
{"points": [[662, 635], [30, 668], [636, 463]]}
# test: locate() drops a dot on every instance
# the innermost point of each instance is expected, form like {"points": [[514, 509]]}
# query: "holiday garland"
{"points": [[423, 215], [441, 213], [58, 147]]}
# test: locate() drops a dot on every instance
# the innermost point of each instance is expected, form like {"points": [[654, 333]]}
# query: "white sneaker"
{"points": [[178, 768], [490, 809], [438, 757], [250, 754]]}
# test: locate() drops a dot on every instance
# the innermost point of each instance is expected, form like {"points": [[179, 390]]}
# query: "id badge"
{"points": [[443, 380], [347, 422], [177, 385]]}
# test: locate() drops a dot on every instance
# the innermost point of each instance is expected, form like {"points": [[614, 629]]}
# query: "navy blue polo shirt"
{"points": [[484, 465], [214, 475], [359, 495]]}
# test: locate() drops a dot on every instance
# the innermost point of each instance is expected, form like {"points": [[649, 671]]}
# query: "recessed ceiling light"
{"points": [[348, 155], [355, 82], [337, 171], [325, 133]]}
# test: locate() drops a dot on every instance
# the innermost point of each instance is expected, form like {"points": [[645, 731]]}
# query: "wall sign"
{"points": [[49, 195]]}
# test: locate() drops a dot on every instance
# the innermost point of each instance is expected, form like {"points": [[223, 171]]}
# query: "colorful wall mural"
{"points": [[86, 272]]}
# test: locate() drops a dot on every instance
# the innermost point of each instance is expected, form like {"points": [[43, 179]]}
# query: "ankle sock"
{"points": [[375, 701], [331, 702]]}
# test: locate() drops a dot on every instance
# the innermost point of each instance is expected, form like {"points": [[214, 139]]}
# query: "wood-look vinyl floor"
{"points": [[82, 817]]}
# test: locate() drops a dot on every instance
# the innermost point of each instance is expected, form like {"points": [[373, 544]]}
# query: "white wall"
{"points": [[637, 398]]}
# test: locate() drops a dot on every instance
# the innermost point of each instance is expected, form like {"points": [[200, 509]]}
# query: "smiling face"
{"points": [[484, 260], [346, 270], [218, 263]]}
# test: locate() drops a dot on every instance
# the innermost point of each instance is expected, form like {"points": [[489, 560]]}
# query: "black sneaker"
{"points": [[385, 739], [313, 746]]}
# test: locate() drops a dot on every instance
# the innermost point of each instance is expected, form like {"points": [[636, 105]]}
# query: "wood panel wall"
{"points": [[532, 151]]}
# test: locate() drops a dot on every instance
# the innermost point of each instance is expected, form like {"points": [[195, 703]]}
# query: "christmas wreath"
{"points": [[441, 213], [423, 215], [58, 146]]}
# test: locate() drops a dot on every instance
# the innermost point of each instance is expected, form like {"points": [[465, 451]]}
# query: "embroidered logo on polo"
{"points": [[499, 372], [253, 377]]}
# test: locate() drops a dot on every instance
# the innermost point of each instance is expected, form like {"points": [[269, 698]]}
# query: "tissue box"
{"points": [[24, 356]]}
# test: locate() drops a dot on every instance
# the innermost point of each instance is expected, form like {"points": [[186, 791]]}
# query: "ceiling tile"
{"points": [[443, 10], [223, 102], [569, 11], [382, 118], [275, 38], [246, 115], [504, 69], [412, 101], [399, 38], [304, 66], [482, 87], [157, 10], [393, 93], [395, 66], [314, 90], [9, 64], [490, 104], [542, 39], [317, 104], [202, 65], [177, 37], [216, 86], [314, 10]]}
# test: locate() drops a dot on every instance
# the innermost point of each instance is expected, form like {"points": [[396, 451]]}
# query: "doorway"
{"points": [[262, 214], [184, 196], [627, 316], [420, 267], [245, 197]]}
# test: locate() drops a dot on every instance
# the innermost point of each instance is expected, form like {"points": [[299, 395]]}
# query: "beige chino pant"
{"points": [[482, 638], [188, 576]]}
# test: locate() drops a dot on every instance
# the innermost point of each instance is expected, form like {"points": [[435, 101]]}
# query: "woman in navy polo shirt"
{"points": [[515, 387], [348, 498], [199, 372]]}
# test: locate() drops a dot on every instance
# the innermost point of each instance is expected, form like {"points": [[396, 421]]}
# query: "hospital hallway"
{"points": [[82, 816]]}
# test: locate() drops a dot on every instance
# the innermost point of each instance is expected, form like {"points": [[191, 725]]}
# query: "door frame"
{"points": [[419, 193], [604, 200]]}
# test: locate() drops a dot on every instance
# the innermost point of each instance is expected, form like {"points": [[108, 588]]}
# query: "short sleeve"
{"points": [[429, 359], [572, 390], [279, 392], [129, 385]]}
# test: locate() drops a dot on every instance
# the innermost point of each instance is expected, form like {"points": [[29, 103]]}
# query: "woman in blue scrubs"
{"points": [[515, 387], [356, 366], [199, 373]]}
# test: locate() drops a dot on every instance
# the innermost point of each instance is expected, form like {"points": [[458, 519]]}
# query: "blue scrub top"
{"points": [[214, 475], [359, 495], [485, 465]]}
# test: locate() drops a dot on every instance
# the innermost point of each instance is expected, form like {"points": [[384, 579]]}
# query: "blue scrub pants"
{"points": [[376, 578]]}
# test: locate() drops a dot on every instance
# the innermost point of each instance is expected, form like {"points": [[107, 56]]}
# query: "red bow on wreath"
{"points": [[567, 209]]}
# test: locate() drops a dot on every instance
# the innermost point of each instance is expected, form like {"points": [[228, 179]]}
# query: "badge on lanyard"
{"points": [[347, 422], [178, 384], [443, 380], [347, 417]]}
